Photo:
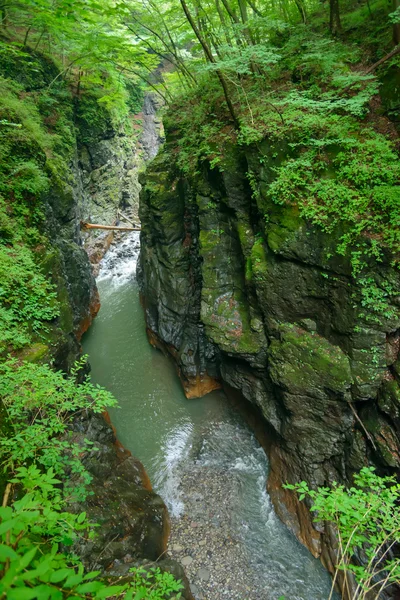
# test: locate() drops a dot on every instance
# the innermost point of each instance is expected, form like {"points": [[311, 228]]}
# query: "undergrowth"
{"points": [[45, 472]]}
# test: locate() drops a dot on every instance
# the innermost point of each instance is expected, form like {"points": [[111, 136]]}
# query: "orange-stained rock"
{"points": [[193, 387], [123, 453], [293, 513], [200, 386], [92, 312], [96, 249]]}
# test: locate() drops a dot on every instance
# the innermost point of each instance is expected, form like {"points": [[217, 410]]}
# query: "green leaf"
{"points": [[7, 553], [81, 517], [26, 559], [73, 580], [59, 575], [113, 590], [21, 593]]}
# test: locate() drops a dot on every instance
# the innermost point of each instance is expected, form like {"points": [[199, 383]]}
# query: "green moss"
{"points": [[304, 362], [208, 242], [259, 264], [227, 321], [224, 307], [37, 353], [93, 120], [282, 226], [389, 398]]}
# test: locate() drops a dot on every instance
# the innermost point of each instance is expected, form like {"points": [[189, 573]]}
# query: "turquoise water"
{"points": [[167, 433]]}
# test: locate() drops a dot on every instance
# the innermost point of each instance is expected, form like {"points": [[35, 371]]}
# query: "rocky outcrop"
{"points": [[133, 521], [108, 161], [110, 157], [247, 294]]}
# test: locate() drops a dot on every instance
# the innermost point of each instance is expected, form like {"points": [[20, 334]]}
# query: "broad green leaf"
{"points": [[7, 553]]}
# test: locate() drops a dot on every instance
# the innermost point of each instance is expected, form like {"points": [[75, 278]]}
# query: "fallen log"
{"points": [[125, 218], [85, 226]]}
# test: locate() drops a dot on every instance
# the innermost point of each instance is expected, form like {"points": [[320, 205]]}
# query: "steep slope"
{"points": [[66, 159], [266, 267]]}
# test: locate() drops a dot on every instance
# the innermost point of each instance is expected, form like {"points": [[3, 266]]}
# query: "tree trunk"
{"points": [[335, 25], [4, 15], [210, 58], [255, 9], [86, 226], [223, 22], [243, 13], [396, 26], [302, 10]]}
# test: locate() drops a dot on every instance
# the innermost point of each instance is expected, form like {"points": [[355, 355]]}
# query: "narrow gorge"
{"points": [[208, 409]]}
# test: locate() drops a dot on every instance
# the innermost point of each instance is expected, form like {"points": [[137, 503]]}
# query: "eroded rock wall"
{"points": [[247, 294], [110, 157]]}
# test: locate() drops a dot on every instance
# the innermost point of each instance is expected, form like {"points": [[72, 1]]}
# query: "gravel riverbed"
{"points": [[204, 540]]}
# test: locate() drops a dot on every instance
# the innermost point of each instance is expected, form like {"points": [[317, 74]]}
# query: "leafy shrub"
{"points": [[367, 522], [32, 566], [36, 446], [27, 298], [39, 405]]}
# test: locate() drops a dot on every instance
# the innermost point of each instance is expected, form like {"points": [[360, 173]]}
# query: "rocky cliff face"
{"points": [[108, 162], [268, 309], [109, 159]]}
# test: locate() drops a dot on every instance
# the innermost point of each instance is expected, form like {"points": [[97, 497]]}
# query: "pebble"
{"points": [[217, 567], [203, 574]]}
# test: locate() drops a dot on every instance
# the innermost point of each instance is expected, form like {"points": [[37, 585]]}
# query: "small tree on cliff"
{"points": [[367, 522]]}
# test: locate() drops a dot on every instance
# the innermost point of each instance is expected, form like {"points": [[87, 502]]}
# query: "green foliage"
{"points": [[394, 17], [27, 299], [89, 41], [32, 565], [22, 149], [39, 404], [153, 585], [36, 445], [367, 522], [345, 178]]}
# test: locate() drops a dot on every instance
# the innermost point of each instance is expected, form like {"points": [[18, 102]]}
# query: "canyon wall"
{"points": [[246, 294], [89, 161]]}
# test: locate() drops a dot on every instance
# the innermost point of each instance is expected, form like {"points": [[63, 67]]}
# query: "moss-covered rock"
{"points": [[305, 363], [36, 353], [248, 289]]}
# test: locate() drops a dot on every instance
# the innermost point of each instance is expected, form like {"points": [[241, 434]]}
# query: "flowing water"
{"points": [[202, 439]]}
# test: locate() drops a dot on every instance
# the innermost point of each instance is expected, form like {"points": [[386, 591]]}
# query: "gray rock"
{"points": [[203, 574]]}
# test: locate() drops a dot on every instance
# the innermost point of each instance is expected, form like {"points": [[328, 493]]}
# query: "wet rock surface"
{"points": [[133, 522], [269, 307]]}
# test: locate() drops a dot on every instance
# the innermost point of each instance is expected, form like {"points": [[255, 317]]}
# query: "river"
{"points": [[201, 458]]}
